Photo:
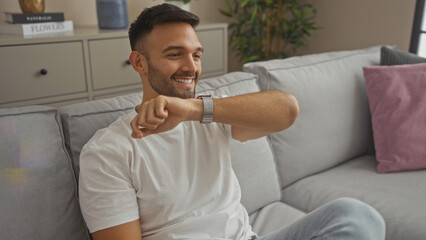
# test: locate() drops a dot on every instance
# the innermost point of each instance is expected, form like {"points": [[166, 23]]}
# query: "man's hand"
{"points": [[163, 113]]}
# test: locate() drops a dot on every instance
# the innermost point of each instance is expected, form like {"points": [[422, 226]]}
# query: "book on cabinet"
{"points": [[32, 29], [22, 18]]}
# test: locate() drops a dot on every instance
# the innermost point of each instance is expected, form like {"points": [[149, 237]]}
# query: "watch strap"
{"points": [[208, 108]]}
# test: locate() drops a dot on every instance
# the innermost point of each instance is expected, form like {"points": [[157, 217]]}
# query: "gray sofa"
{"points": [[327, 154]]}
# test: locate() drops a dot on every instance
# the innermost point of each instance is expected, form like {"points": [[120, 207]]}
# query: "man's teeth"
{"points": [[184, 80]]}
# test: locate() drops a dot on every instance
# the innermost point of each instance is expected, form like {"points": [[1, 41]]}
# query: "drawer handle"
{"points": [[128, 62], [43, 71]]}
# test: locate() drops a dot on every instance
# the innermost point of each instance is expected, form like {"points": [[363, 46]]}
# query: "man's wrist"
{"points": [[196, 113]]}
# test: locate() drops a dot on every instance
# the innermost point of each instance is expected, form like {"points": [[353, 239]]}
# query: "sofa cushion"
{"points": [[252, 161], [399, 197], [391, 56], [398, 107], [333, 105], [81, 121], [37, 185]]}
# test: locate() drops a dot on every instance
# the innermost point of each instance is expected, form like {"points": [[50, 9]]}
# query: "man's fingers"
{"points": [[136, 135], [151, 117], [160, 109], [147, 121], [136, 132], [143, 132], [139, 122], [142, 118], [147, 118]]}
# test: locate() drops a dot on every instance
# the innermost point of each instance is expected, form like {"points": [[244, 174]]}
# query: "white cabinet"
{"points": [[110, 69], [214, 39], [41, 70], [86, 65]]}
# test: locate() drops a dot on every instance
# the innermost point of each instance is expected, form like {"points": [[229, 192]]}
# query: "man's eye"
{"points": [[174, 55], [197, 56]]}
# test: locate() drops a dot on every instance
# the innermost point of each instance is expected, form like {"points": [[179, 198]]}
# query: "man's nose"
{"points": [[189, 65]]}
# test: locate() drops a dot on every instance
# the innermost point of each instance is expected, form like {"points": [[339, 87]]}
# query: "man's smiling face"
{"points": [[174, 59]]}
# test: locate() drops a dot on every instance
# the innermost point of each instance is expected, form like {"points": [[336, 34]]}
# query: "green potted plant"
{"points": [[268, 29]]}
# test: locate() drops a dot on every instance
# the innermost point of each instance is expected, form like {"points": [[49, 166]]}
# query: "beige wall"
{"points": [[347, 24], [362, 23]]}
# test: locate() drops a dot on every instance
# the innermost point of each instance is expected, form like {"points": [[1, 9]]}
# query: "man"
{"points": [[158, 173]]}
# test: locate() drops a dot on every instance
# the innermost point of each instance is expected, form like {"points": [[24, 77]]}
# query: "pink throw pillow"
{"points": [[397, 96]]}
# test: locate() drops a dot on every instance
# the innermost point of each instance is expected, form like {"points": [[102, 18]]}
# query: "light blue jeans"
{"points": [[343, 219]]}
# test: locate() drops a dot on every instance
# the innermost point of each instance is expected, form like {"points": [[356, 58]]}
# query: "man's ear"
{"points": [[139, 62]]}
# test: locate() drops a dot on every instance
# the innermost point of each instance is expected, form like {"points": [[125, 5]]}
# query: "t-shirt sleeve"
{"points": [[228, 130], [107, 197]]}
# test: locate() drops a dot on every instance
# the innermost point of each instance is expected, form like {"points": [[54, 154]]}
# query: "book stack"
{"points": [[32, 24]]}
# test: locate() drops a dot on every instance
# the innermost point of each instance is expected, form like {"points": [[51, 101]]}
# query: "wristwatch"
{"points": [[208, 108]]}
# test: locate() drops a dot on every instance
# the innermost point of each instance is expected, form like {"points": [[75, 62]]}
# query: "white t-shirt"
{"points": [[180, 183]]}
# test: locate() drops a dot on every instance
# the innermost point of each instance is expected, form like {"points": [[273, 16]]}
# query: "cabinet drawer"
{"points": [[108, 59], [213, 61], [21, 77]]}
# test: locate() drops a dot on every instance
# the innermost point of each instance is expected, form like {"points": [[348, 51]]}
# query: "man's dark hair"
{"points": [[164, 13]]}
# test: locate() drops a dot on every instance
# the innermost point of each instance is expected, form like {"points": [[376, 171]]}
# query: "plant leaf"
{"points": [[245, 3], [253, 15], [223, 12]]}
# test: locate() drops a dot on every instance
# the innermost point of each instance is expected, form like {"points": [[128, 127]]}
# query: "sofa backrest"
{"points": [[81, 120], [38, 191], [334, 119]]}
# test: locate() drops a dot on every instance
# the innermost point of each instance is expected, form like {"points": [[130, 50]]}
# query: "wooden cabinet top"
{"points": [[80, 33]]}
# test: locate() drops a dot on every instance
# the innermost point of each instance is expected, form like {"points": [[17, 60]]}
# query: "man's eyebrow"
{"points": [[169, 48]]}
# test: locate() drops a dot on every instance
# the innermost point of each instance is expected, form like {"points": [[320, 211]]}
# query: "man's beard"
{"points": [[162, 84]]}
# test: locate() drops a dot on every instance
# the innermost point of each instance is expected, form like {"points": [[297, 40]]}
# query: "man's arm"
{"points": [[256, 115], [252, 115], [126, 231]]}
